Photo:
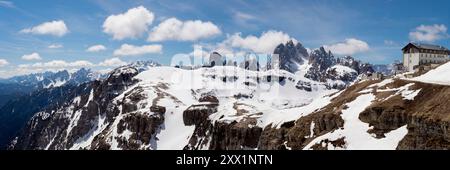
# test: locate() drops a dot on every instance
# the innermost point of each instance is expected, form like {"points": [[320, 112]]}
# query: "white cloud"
{"points": [[3, 62], [131, 50], [7, 4], [113, 62], [57, 64], [174, 29], [96, 48], [132, 24], [54, 65], [266, 43], [54, 46], [389, 42], [243, 16], [33, 56], [55, 28], [245, 19], [429, 33], [348, 47]]}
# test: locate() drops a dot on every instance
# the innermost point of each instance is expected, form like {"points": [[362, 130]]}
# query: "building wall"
{"points": [[410, 60], [426, 58], [413, 59]]}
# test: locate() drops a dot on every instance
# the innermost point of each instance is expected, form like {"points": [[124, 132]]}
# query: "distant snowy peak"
{"points": [[319, 65], [143, 65], [339, 71], [386, 69], [55, 79], [291, 55], [357, 65]]}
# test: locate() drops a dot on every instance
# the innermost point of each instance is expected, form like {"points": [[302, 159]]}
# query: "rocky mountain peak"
{"points": [[291, 55], [123, 74], [322, 59]]}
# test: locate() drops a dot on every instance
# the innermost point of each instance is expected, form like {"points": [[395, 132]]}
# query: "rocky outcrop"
{"points": [[384, 119], [143, 129], [358, 66], [290, 56], [197, 114], [426, 134], [235, 135], [320, 60], [297, 135]]}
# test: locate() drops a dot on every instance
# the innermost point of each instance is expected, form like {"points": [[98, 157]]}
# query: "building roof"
{"points": [[427, 46]]}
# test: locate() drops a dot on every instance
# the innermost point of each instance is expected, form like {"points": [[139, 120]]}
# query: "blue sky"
{"points": [[372, 31]]}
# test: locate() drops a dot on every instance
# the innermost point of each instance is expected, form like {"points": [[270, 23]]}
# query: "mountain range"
{"points": [[39, 91], [314, 100]]}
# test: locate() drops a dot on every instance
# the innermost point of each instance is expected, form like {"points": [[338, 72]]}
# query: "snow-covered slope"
{"points": [[275, 97], [229, 107], [160, 96], [439, 75]]}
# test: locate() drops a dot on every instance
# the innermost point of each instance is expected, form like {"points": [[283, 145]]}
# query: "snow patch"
{"points": [[439, 75], [355, 133]]}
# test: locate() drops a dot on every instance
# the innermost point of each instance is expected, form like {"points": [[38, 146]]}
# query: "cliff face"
{"points": [[418, 108]]}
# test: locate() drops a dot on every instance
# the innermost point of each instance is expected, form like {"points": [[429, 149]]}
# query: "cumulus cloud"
{"points": [[348, 47], [131, 24], [131, 50], [3, 62], [429, 33], [55, 46], [57, 64], [33, 56], [113, 62], [174, 29], [55, 28], [266, 43], [96, 48]]}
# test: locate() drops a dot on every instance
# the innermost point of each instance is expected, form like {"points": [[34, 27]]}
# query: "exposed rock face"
{"points": [[304, 86], [358, 66], [208, 98], [384, 119], [365, 68], [158, 109], [291, 55], [143, 129], [428, 119], [235, 135], [320, 61], [197, 114], [426, 134], [50, 126], [338, 72]]}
